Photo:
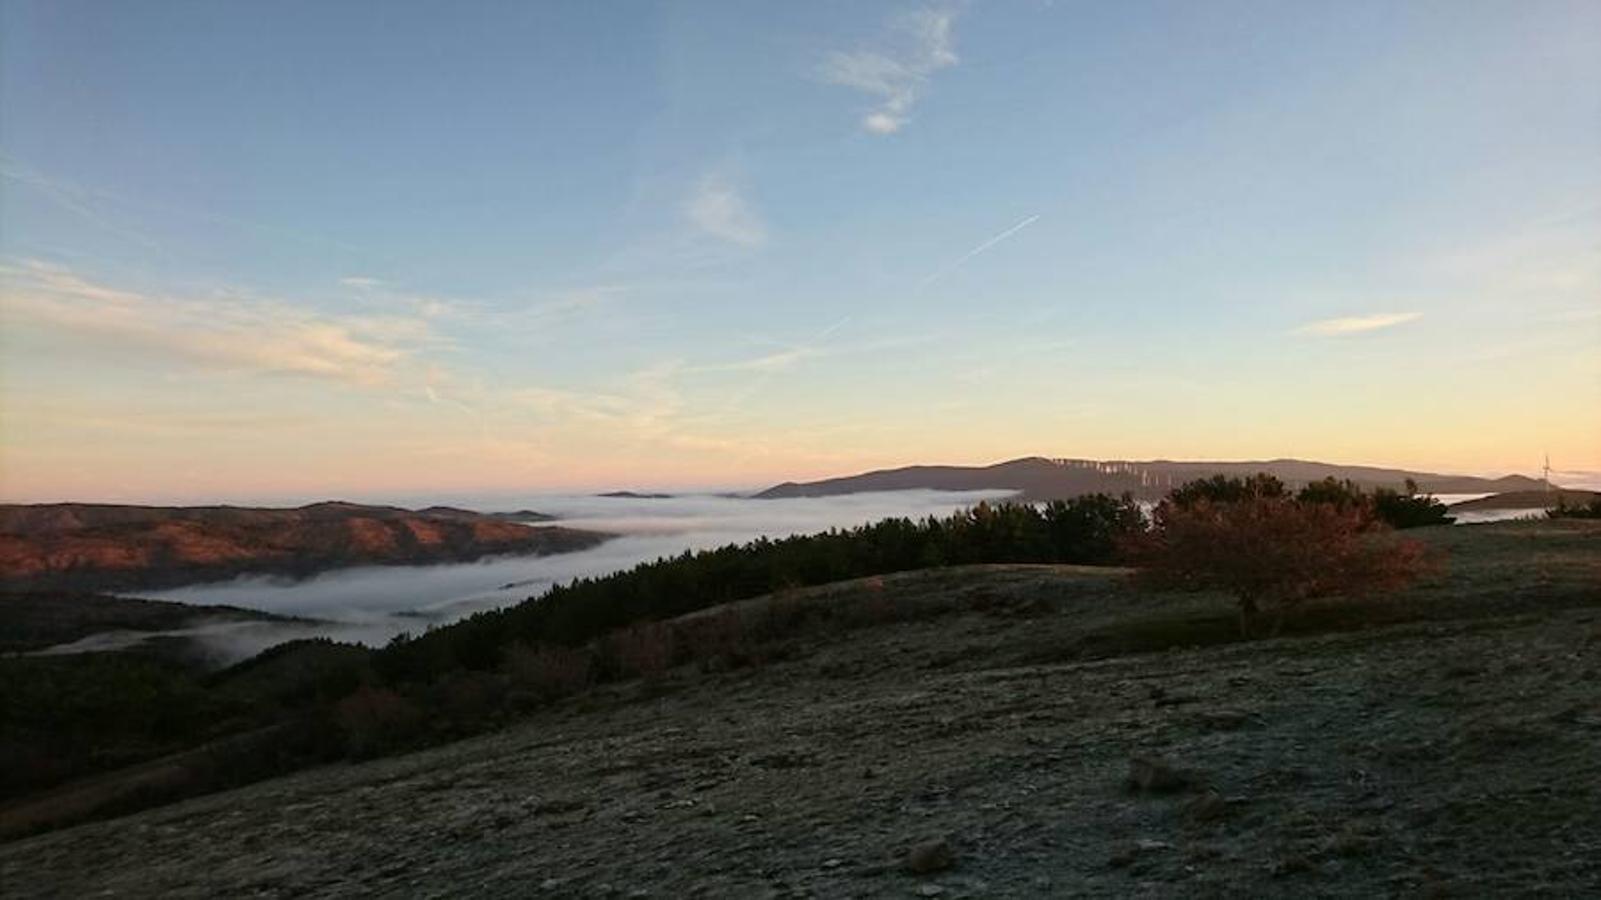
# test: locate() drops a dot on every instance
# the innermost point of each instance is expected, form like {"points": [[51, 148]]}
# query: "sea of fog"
{"points": [[374, 603], [1480, 516]]}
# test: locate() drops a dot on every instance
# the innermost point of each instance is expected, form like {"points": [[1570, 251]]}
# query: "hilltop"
{"points": [[106, 547], [1039, 478], [1062, 731]]}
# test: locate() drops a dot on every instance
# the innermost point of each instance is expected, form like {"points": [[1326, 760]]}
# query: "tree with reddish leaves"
{"points": [[1273, 552]]}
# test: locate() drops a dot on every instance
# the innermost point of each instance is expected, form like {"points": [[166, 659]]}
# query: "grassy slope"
{"points": [[1420, 750]]}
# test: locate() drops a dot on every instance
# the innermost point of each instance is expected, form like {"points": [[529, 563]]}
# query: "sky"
{"points": [[300, 250]]}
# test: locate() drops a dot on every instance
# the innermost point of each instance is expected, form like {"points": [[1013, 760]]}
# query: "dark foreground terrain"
{"points": [[1445, 743]]}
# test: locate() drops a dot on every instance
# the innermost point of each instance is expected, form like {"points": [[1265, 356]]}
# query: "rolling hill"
{"points": [[100, 547], [1039, 478], [1442, 745]]}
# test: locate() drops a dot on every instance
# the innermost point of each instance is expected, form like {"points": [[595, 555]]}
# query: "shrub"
{"points": [[546, 672], [1562, 510], [718, 639], [376, 720], [463, 701], [1409, 509], [1272, 553], [1087, 529], [1225, 489], [644, 650], [1342, 494], [1397, 509]]}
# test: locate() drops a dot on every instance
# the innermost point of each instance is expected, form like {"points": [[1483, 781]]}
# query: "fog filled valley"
{"points": [[918, 448], [1010, 730], [651, 606], [373, 604]]}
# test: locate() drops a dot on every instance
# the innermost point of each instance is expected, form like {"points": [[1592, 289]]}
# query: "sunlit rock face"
{"points": [[83, 546]]}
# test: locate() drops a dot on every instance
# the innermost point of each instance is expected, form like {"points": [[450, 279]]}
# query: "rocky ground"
{"points": [[1017, 748]]}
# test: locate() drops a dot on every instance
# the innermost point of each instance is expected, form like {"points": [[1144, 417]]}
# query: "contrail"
{"points": [[763, 377], [976, 251]]}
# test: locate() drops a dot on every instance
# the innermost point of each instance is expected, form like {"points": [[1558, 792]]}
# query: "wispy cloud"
{"points": [[644, 405], [83, 417], [897, 72], [717, 207], [578, 300], [522, 308], [1356, 324], [1556, 258], [378, 291], [776, 361], [226, 332], [129, 217], [985, 245], [71, 197]]}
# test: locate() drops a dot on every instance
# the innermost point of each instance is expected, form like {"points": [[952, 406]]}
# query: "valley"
{"points": [[1403, 747]]}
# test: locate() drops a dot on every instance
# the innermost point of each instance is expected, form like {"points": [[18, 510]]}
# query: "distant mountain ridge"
{"points": [[1040, 478], [104, 547]]}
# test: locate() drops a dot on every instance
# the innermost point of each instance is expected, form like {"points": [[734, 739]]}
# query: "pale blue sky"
{"points": [[299, 248]]}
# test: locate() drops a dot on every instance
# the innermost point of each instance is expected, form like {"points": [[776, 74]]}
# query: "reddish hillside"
{"points": [[103, 547]]}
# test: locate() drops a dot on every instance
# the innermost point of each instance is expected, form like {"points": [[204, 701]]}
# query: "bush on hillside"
{"points": [[645, 650], [1562, 510], [1273, 553], [1226, 489], [1396, 509], [1409, 508], [1089, 529], [541, 673], [1338, 493], [376, 720]]}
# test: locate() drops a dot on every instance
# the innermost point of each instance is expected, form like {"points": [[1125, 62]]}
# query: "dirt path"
{"points": [[1457, 756]]}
